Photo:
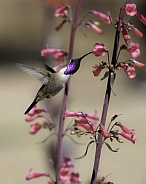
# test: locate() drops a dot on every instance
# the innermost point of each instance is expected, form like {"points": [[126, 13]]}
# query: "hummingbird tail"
{"points": [[31, 106]]}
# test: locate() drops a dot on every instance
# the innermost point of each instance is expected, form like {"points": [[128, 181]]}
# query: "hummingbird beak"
{"points": [[74, 64]]}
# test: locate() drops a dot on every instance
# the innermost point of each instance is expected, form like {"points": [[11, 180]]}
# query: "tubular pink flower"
{"points": [[131, 9], [104, 132], [80, 114], [34, 111], [129, 70], [137, 33], [142, 17], [75, 178], [94, 27], [87, 127], [32, 175], [133, 48], [129, 137], [139, 64], [49, 51], [81, 120], [32, 118], [99, 49], [92, 116], [34, 128], [125, 129], [102, 16]]}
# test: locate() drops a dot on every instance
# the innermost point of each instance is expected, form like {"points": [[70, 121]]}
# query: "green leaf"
{"points": [[106, 74]]}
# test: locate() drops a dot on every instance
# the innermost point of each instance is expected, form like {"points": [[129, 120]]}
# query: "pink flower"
{"points": [[83, 122], [61, 10], [32, 175], [142, 17], [59, 54], [129, 70], [125, 129], [64, 174], [99, 49], [65, 170], [102, 16], [127, 136], [75, 178], [104, 132], [48, 51], [139, 64], [131, 9], [34, 128], [80, 114], [137, 33], [32, 118], [35, 111], [94, 26], [67, 162], [133, 48]]}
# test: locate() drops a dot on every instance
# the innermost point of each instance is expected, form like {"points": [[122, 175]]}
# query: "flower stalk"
{"points": [[107, 99], [65, 98]]}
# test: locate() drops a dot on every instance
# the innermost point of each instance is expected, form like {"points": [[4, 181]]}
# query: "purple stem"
{"points": [[106, 100], [65, 98]]}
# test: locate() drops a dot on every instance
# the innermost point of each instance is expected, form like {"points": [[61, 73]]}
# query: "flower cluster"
{"points": [[83, 123], [128, 66], [66, 174], [59, 54], [128, 134], [34, 114]]}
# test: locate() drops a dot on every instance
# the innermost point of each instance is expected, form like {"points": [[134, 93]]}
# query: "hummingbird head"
{"points": [[74, 65]]}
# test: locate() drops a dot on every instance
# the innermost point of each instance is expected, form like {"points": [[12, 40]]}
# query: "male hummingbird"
{"points": [[52, 82]]}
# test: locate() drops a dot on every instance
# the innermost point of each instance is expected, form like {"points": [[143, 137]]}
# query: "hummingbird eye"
{"points": [[71, 61]]}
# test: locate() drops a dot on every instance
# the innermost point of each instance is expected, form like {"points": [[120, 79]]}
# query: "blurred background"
{"points": [[26, 27]]}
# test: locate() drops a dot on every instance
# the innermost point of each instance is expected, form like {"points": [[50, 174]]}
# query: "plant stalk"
{"points": [[107, 99], [65, 98]]}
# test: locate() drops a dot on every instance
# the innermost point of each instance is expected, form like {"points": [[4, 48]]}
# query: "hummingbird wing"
{"points": [[38, 73]]}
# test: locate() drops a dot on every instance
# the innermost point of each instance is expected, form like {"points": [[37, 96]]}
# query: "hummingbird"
{"points": [[52, 82]]}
